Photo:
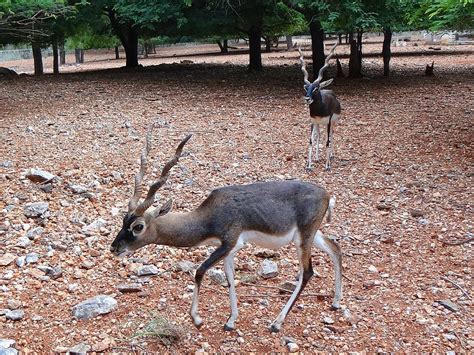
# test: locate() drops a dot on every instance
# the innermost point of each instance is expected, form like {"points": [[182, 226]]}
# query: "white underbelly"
{"points": [[268, 241], [325, 120], [264, 240]]}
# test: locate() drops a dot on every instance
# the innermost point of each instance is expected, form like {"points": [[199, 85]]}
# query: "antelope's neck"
{"points": [[181, 229], [317, 107]]}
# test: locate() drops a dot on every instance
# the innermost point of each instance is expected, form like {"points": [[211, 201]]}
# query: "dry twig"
{"points": [[459, 287], [460, 242]]}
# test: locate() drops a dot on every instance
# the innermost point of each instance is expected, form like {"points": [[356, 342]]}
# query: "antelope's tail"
{"points": [[332, 203]]}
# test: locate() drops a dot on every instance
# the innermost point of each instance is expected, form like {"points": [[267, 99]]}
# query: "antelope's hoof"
{"points": [[309, 169], [335, 307], [274, 328], [327, 168], [198, 322], [228, 328]]}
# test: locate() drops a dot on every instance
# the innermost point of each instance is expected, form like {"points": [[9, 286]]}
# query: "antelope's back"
{"points": [[268, 207]]}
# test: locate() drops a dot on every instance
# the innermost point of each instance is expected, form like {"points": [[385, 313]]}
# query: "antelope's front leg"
{"points": [[317, 142], [213, 259], [310, 149], [329, 148], [229, 273]]}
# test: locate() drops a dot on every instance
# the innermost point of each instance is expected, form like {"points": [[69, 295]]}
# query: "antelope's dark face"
{"points": [[132, 236], [313, 89], [310, 90], [138, 231]]}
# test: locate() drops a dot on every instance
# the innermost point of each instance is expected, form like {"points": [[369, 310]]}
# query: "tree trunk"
{"points": [[317, 46], [339, 36], [359, 47], [145, 50], [224, 46], [38, 58], [117, 53], [268, 44], [79, 53], [62, 54], [55, 57], [386, 52], [130, 44], [289, 43], [340, 72], [355, 70], [429, 70], [129, 38], [255, 34]]}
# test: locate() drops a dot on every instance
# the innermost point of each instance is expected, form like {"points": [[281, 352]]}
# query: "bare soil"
{"points": [[402, 176]]}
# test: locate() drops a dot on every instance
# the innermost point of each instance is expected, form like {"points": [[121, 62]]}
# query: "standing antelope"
{"points": [[269, 214], [324, 108]]}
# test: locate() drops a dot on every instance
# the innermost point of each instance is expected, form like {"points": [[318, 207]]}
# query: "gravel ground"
{"points": [[402, 176]]}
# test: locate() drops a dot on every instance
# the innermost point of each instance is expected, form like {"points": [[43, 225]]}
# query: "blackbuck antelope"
{"points": [[324, 109], [269, 214]]}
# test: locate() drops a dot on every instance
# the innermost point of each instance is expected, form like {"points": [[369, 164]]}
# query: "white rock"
{"points": [[38, 175], [268, 269], [146, 270], [23, 242], [78, 189], [14, 315], [8, 275], [35, 209], [328, 320], [218, 276], [93, 307], [6, 259], [7, 343], [34, 233], [94, 227], [79, 349], [372, 269], [292, 347]]}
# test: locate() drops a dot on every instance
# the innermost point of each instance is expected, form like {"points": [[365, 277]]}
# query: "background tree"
{"points": [[389, 16], [32, 21], [351, 16], [314, 13], [254, 19]]}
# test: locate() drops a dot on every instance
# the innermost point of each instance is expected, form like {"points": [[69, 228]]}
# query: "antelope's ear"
{"points": [[325, 83], [168, 205]]}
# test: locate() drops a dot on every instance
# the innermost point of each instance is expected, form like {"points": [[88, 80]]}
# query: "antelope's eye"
{"points": [[138, 228]]}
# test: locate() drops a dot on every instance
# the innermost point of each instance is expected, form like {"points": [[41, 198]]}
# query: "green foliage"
{"points": [[312, 10], [451, 14], [438, 15], [88, 40], [26, 20], [350, 16], [150, 14], [283, 21]]}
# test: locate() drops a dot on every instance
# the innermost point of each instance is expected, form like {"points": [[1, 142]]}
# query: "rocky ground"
{"points": [[402, 177]]}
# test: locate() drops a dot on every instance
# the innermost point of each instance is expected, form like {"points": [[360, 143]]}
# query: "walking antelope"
{"points": [[324, 109], [269, 214]]}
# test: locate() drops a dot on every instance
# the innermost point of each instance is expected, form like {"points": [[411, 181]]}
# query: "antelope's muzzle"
{"points": [[119, 244]]}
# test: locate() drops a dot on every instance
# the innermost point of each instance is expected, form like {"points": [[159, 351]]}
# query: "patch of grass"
{"points": [[163, 329]]}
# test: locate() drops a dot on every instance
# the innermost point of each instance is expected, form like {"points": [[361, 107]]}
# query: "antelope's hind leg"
{"points": [[334, 251], [229, 273], [305, 273]]}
